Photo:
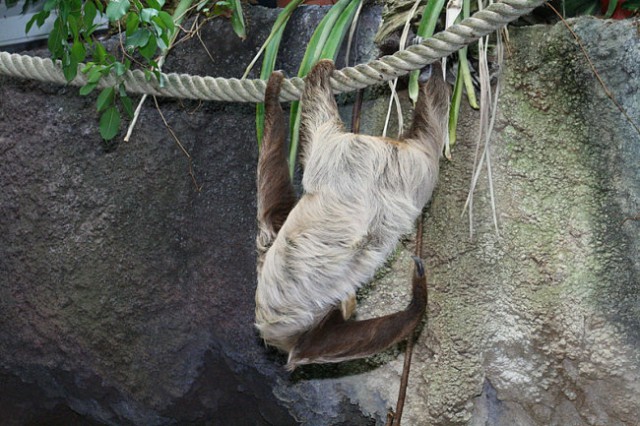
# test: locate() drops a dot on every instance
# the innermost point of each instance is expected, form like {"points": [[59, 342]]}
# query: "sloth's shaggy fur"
{"points": [[361, 193]]}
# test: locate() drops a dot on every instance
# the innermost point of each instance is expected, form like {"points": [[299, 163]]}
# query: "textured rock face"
{"points": [[126, 296], [538, 324], [125, 293]]}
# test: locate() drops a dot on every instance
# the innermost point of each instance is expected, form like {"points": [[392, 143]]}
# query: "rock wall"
{"points": [[536, 324], [126, 295]]}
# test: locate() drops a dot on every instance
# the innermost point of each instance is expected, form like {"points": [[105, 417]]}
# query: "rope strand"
{"points": [[348, 79]]}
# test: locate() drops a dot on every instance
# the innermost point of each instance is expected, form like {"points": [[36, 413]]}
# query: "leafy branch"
{"points": [[149, 31]]}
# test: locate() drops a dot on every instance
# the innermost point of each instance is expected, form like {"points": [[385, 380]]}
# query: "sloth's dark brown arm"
{"points": [[336, 340], [276, 196]]}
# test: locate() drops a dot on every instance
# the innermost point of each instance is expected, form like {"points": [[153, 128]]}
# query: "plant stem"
{"points": [[178, 16]]}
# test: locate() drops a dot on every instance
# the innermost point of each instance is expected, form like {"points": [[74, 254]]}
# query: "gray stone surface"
{"points": [[536, 325], [126, 296], [125, 293]]}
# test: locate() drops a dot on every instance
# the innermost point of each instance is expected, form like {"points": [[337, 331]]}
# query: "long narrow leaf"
{"points": [[393, 99], [463, 62], [270, 49], [454, 112], [325, 43], [463, 69], [425, 30], [612, 8], [320, 36], [237, 19]]}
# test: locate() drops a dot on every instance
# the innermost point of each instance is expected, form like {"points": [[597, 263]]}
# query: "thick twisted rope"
{"points": [[386, 68]]}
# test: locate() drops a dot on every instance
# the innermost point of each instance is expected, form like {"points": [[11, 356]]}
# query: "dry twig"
{"points": [[182, 148]]}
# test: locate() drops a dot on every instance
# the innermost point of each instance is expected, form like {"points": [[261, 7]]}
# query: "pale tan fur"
{"points": [[361, 193]]}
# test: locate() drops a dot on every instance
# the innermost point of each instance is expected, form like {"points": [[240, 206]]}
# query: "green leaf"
{"points": [[339, 30], [90, 13], [139, 38], [109, 123], [119, 68], [87, 67], [126, 105], [72, 24], [75, 8], [106, 98], [63, 10], [33, 20], [270, 48], [147, 14], [430, 16], [88, 88], [455, 108], [95, 74], [133, 22], [49, 5], [463, 68], [149, 49], [41, 18], [181, 11], [163, 42], [70, 70], [324, 43], [116, 9], [237, 19], [156, 4], [168, 21], [612, 8], [78, 52], [100, 53], [320, 36], [55, 40], [164, 24]]}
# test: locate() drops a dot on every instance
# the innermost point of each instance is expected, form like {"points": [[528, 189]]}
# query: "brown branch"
{"points": [[182, 148], [357, 108], [394, 419]]}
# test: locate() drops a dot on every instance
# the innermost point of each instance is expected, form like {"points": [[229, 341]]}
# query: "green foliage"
{"points": [[148, 30], [71, 41], [25, 6], [454, 111], [231, 9], [632, 5], [325, 43], [427, 26], [270, 48]]}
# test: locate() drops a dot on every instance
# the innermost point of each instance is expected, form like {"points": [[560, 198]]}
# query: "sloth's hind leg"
{"points": [[276, 196]]}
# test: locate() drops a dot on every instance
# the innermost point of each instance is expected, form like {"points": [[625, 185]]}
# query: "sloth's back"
{"points": [[355, 208]]}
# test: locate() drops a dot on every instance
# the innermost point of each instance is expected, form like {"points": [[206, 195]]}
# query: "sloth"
{"points": [[360, 195]]}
